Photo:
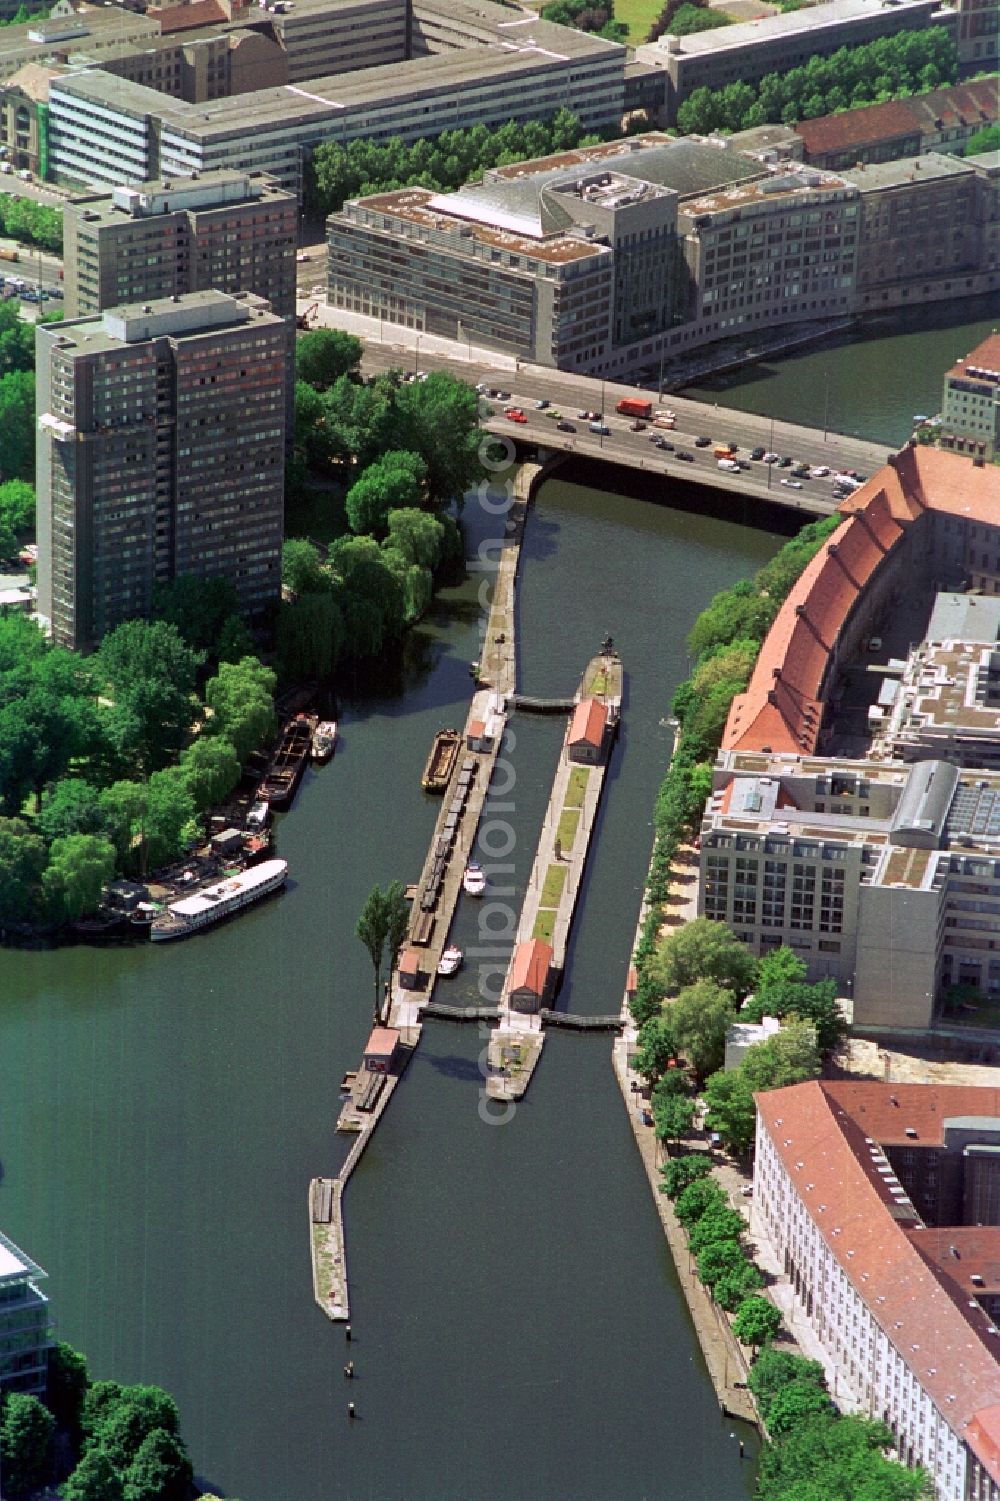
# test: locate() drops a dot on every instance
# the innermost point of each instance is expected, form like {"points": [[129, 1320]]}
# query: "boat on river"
{"points": [[451, 961], [474, 879], [210, 904], [441, 761], [281, 780], [324, 740]]}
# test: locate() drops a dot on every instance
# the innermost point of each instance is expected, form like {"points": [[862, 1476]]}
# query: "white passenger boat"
{"points": [[451, 961], [474, 880], [212, 903]]}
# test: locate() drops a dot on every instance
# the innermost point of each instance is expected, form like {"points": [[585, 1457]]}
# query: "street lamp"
{"points": [[416, 356]]}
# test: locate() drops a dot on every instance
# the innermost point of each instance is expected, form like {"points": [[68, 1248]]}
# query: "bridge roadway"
{"points": [[573, 393]]}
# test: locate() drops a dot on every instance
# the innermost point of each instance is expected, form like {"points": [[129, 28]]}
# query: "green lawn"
{"points": [[569, 821], [596, 684], [638, 16], [578, 779], [545, 924], [555, 880]]}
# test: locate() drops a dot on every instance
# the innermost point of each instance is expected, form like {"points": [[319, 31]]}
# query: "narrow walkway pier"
{"points": [[434, 899], [535, 972]]}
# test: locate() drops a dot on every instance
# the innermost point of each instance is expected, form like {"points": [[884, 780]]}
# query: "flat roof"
{"points": [[771, 189], [417, 206], [928, 167], [392, 84], [775, 28], [382, 1040]]}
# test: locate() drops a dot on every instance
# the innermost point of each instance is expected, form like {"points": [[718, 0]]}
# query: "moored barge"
{"points": [[281, 780], [441, 761]]}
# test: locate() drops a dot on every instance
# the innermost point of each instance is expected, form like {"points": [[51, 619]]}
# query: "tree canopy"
{"points": [[323, 355], [699, 1019], [704, 950], [336, 172], [891, 67]]}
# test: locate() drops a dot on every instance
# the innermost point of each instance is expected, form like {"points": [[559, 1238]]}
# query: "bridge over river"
{"points": [[570, 394]]}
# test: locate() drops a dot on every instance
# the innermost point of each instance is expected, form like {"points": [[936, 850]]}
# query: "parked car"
{"points": [[702, 442]]}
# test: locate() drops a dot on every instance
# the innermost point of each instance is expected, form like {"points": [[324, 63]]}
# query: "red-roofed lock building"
{"points": [[530, 975], [900, 1304], [585, 742]]}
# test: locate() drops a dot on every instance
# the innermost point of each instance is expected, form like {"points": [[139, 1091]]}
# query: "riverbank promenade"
{"points": [[535, 971]]}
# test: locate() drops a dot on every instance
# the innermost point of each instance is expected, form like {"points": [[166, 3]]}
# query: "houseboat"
{"points": [[209, 905]]}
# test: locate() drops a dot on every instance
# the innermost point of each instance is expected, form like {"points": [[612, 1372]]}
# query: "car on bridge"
{"points": [[793, 484], [686, 455], [541, 404], [565, 427], [583, 416], [514, 414], [553, 413], [666, 446], [702, 442], [819, 471], [757, 453], [771, 458]]}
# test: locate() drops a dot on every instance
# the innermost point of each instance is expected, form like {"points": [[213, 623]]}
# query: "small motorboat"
{"points": [[474, 880], [324, 740], [451, 961]]}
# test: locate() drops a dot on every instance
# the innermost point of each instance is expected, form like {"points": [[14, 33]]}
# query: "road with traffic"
{"points": [[567, 395]]}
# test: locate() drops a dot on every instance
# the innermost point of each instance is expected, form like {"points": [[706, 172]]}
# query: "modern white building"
{"points": [[894, 1293], [24, 1321]]}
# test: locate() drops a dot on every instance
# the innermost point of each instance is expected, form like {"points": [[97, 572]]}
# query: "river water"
{"points": [[518, 1328], [870, 381]]}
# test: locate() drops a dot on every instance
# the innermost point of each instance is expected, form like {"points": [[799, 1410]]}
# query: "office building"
{"points": [[229, 230], [899, 1292], [198, 66], [747, 51], [161, 437], [819, 833], [24, 1322], [923, 230], [320, 39], [104, 130], [571, 261], [970, 404], [776, 250]]}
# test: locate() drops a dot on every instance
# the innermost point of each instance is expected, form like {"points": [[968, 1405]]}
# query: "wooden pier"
{"points": [[550, 900]]}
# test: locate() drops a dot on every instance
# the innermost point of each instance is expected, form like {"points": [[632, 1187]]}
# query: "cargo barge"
{"points": [[441, 761], [281, 780]]}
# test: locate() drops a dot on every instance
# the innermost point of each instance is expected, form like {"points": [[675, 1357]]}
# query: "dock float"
{"points": [[535, 971]]}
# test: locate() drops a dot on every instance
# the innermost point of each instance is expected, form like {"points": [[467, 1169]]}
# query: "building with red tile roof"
{"points": [[833, 604], [585, 739], [831, 1199], [530, 975], [941, 120]]}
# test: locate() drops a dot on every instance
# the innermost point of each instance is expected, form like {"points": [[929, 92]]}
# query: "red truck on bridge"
{"points": [[632, 406]]}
